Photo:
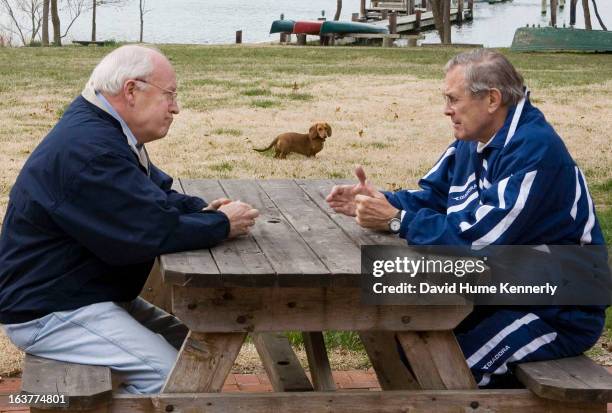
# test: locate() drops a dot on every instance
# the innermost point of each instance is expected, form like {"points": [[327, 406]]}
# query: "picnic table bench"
{"points": [[299, 270]]}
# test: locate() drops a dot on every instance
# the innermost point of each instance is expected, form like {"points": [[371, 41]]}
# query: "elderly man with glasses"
{"points": [[506, 179], [86, 218]]}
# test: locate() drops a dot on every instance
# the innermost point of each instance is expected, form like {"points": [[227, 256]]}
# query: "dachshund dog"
{"points": [[308, 144]]}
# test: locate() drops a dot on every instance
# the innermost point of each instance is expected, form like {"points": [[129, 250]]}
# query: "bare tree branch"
{"points": [[20, 11], [601, 23], [74, 9]]}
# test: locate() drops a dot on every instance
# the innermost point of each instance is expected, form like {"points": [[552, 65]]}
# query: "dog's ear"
{"points": [[328, 129], [312, 132]]}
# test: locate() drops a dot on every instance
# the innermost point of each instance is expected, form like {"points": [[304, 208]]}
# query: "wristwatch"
{"points": [[395, 223]]}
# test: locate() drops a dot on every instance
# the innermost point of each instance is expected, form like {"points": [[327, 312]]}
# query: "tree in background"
{"points": [[338, 9], [94, 5], [20, 11], [55, 20], [45, 23], [441, 14], [142, 8]]}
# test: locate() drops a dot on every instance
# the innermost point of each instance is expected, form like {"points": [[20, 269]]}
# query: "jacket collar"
{"points": [[90, 95], [503, 135]]}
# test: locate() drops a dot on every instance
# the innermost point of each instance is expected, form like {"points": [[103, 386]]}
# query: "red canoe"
{"points": [[306, 27]]}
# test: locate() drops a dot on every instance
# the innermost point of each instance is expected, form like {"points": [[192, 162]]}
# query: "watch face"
{"points": [[395, 225]]}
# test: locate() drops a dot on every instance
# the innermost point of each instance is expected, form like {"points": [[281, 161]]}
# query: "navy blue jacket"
{"points": [[522, 188], [84, 222]]}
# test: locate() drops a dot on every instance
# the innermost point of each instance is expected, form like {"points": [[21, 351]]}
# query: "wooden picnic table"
{"points": [[299, 270]]}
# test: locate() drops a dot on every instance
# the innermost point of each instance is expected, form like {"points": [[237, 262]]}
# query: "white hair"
{"points": [[126, 62]]}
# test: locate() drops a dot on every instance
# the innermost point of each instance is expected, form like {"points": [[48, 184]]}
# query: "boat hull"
{"points": [[341, 27], [545, 39], [282, 26], [307, 27]]}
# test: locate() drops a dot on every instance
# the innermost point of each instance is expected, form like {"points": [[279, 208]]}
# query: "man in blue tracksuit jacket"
{"points": [[87, 216], [508, 179]]}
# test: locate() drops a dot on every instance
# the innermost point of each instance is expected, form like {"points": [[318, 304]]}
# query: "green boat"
{"points": [[553, 39], [344, 27], [282, 26]]}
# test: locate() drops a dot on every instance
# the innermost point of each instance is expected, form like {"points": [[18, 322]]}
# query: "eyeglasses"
{"points": [[171, 95], [452, 101]]}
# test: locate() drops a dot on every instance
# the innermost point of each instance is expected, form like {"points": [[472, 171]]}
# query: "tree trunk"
{"points": [[573, 12], [141, 19], [587, 15], [94, 3], [57, 39], [447, 22], [45, 23], [436, 8], [338, 10]]}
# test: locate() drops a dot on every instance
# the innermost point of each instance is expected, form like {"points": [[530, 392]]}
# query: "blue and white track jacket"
{"points": [[523, 187]]}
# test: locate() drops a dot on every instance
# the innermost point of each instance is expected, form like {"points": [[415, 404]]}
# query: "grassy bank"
{"points": [[384, 105]]}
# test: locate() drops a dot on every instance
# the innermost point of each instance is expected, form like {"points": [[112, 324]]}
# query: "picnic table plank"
{"points": [[280, 362], [303, 309], [286, 251], [204, 361], [318, 361], [436, 360], [318, 190], [239, 259], [574, 378], [339, 254], [85, 386], [360, 401]]}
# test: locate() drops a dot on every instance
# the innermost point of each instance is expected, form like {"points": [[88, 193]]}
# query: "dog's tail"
{"points": [[268, 147]]}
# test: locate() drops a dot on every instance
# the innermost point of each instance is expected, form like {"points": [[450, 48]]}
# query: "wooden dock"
{"points": [[413, 23]]}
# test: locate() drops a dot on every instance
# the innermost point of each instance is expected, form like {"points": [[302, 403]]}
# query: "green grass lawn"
{"points": [[267, 78]]}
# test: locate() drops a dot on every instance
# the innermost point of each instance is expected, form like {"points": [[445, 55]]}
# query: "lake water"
{"points": [[212, 22]]}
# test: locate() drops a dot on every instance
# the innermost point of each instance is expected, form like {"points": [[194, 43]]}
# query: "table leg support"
{"points": [[204, 362], [383, 353], [282, 365], [318, 361], [437, 360]]}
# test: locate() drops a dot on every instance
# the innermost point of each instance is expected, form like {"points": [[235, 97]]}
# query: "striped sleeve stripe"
{"points": [[448, 153], [578, 195], [491, 344], [520, 354], [483, 210], [499, 229], [588, 227], [501, 192], [484, 183], [463, 187], [461, 206]]}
